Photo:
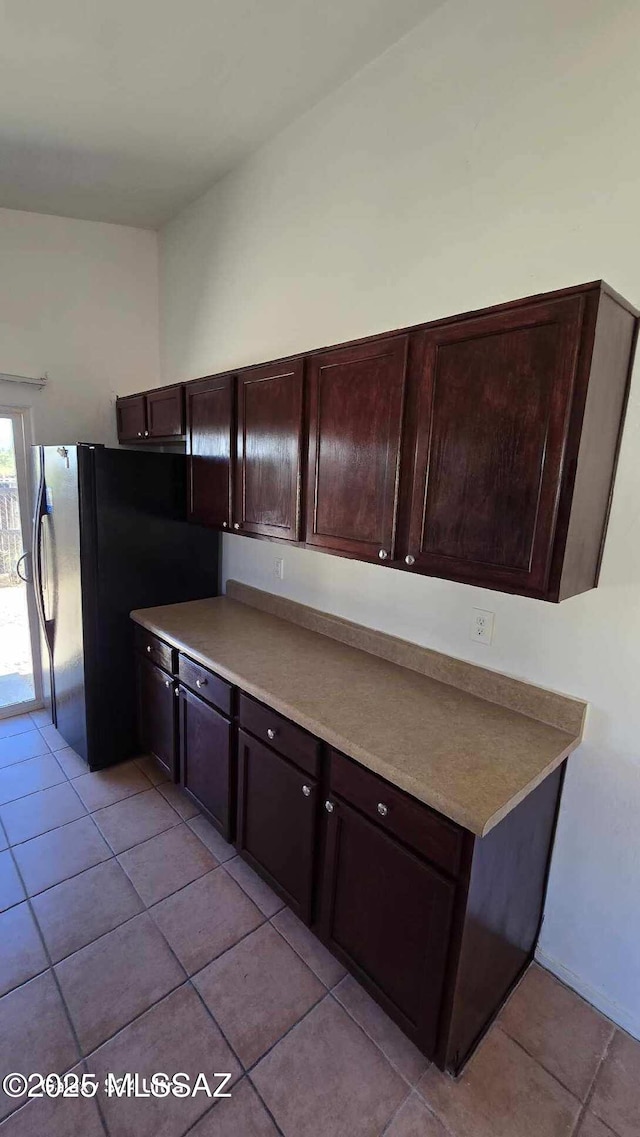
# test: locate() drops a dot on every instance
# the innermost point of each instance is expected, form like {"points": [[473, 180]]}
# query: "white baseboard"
{"points": [[622, 1017]]}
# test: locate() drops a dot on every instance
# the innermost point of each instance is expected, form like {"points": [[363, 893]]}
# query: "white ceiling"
{"points": [[126, 110]]}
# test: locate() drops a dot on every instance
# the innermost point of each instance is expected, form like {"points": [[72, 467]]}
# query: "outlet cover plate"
{"points": [[481, 625]]}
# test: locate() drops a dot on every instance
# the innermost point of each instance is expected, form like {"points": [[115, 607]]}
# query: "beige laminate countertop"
{"points": [[470, 759]]}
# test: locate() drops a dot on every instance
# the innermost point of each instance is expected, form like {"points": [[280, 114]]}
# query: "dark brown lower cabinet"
{"points": [[277, 821], [439, 950], [205, 759], [436, 923], [157, 717], [386, 914]]}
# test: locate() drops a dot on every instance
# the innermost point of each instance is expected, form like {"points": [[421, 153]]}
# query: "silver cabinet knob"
{"points": [[201, 682], [236, 525], [146, 433], [306, 791], [409, 560], [329, 806], [225, 524], [148, 649], [176, 691], [383, 554], [271, 733], [382, 809], [139, 434], [167, 682]]}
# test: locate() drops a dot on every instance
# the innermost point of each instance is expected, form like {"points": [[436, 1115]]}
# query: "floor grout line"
{"points": [[51, 970], [28, 758], [189, 980], [497, 1024], [250, 1069], [364, 1030], [590, 1092], [25, 840]]}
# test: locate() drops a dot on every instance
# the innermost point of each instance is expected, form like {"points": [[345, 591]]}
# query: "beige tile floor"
{"points": [[132, 939]]}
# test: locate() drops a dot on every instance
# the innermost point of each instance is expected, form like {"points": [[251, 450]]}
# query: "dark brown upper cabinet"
{"points": [[210, 449], [269, 450], [356, 397], [165, 412], [515, 424], [131, 418], [480, 448], [157, 414]]}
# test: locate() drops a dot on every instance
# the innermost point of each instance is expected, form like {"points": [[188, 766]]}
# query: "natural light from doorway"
{"points": [[16, 664]]}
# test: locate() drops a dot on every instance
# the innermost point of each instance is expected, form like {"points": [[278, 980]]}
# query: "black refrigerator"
{"points": [[110, 535]]}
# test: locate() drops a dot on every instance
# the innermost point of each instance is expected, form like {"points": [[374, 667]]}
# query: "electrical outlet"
{"points": [[481, 625], [278, 568]]}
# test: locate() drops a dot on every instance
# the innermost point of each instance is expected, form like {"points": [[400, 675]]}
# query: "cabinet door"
{"points": [[210, 430], [131, 418], [205, 758], [493, 408], [386, 914], [157, 733], [270, 405], [165, 413], [277, 811], [355, 420]]}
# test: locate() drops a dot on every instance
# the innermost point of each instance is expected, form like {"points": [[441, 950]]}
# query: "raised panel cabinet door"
{"points": [[210, 449], [386, 914], [157, 718], [205, 759], [356, 397], [277, 822], [270, 409], [165, 413], [131, 418], [493, 412]]}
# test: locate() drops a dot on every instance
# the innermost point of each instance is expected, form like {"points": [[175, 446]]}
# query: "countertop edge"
{"points": [[402, 781]]}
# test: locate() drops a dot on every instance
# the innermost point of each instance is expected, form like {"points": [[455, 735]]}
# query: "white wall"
{"points": [[489, 155], [79, 300]]}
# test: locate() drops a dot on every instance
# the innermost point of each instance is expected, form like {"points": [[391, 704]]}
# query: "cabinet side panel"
{"points": [[504, 911], [616, 330]]}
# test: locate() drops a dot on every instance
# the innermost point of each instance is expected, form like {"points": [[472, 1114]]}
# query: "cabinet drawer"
{"points": [[155, 649], [414, 823], [290, 740], [208, 686]]}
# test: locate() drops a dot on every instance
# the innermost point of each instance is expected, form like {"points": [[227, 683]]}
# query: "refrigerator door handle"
{"points": [[40, 510], [25, 579]]}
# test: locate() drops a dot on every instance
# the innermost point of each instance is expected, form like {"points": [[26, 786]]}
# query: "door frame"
{"points": [[22, 443]]}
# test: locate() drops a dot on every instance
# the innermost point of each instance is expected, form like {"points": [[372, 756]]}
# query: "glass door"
{"points": [[20, 675]]}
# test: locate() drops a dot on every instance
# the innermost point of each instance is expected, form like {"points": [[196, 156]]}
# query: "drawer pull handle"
{"points": [[148, 649], [236, 525], [383, 554], [176, 691], [225, 524], [167, 682], [409, 560], [271, 733], [383, 809], [306, 791], [329, 806], [201, 682]]}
